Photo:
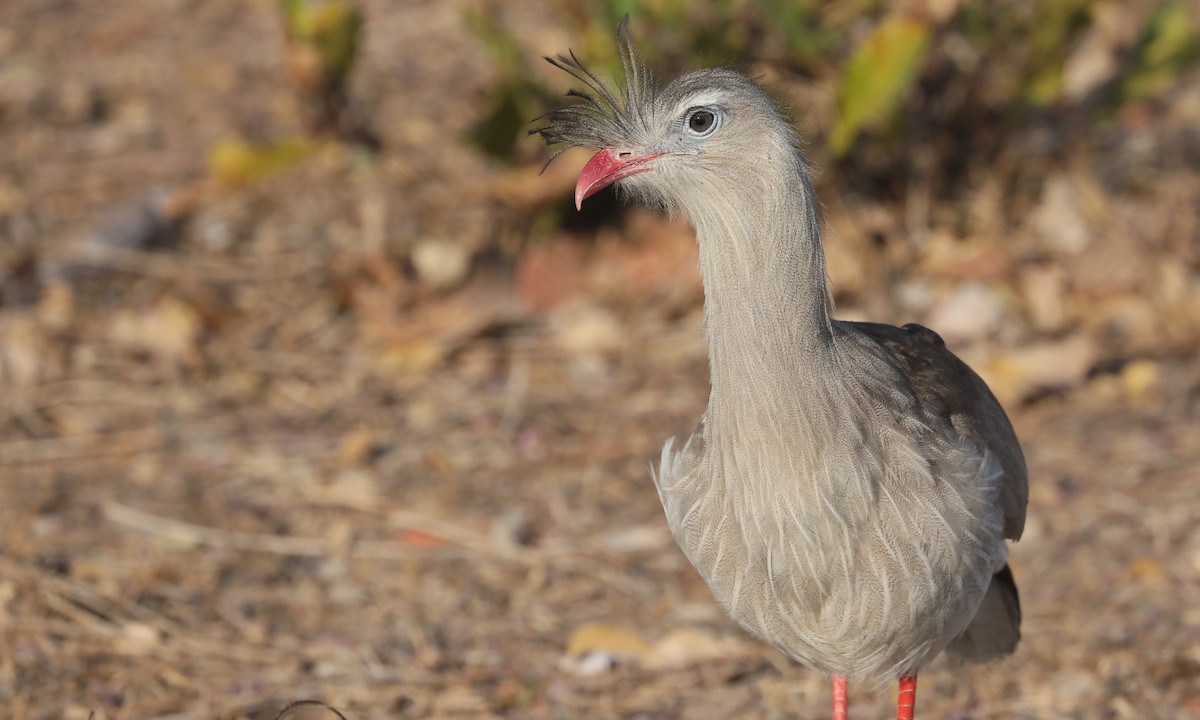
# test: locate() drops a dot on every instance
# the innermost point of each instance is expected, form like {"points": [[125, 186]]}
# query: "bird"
{"points": [[850, 490]]}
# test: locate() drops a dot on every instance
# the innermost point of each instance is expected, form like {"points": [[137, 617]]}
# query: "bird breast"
{"points": [[852, 543]]}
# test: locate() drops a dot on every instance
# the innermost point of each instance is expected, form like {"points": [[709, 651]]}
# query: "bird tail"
{"points": [[996, 627]]}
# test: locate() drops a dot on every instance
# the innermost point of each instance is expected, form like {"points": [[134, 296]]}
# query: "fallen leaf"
{"points": [[355, 447], [354, 488], [1044, 289], [1017, 374], [881, 71], [1149, 570], [684, 647], [169, 330], [638, 538], [1140, 381], [1058, 220], [234, 164], [137, 638], [421, 539], [605, 638], [24, 350]]}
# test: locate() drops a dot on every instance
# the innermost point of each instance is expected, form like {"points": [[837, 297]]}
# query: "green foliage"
{"points": [[799, 26], [331, 28], [335, 31], [322, 44], [515, 98], [234, 164], [508, 54], [502, 125], [879, 75], [1002, 63], [686, 33], [293, 14], [321, 50], [1024, 46], [1168, 44], [1052, 33]]}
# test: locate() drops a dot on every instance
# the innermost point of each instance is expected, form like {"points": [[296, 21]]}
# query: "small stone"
{"points": [[137, 638], [915, 296], [586, 330], [24, 349], [1075, 689], [594, 663], [1140, 381], [1044, 287], [355, 447], [971, 312], [1058, 220], [441, 264], [352, 487], [310, 710], [77, 104], [513, 528]]}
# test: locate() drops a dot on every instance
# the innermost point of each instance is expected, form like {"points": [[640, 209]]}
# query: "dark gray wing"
{"points": [[947, 388], [996, 628]]}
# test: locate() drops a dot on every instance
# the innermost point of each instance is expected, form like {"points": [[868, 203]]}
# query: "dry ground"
{"points": [[270, 463]]}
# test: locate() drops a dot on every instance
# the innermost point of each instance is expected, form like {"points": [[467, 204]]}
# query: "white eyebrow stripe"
{"points": [[708, 97]]}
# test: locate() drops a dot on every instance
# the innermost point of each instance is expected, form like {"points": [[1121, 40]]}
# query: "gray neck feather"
{"points": [[766, 301]]}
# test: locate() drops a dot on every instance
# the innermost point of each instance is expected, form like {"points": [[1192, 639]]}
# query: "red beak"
{"points": [[605, 168]]}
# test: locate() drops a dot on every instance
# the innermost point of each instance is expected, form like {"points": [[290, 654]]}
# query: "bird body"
{"points": [[862, 553], [847, 494]]}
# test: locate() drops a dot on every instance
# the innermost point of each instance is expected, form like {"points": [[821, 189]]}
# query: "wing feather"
{"points": [[946, 389]]}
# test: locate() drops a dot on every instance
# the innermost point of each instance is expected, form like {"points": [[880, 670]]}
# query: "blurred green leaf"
{"points": [[514, 100], [332, 28], [335, 30], [796, 22], [1169, 43], [233, 163], [507, 53], [1052, 30], [882, 70], [321, 51], [504, 124], [293, 12]]}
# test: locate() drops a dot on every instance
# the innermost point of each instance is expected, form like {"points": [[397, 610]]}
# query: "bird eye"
{"points": [[701, 122]]}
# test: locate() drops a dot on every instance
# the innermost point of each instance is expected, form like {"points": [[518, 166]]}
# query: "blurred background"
{"points": [[312, 386]]}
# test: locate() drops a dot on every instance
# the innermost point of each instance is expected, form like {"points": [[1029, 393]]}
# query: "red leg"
{"points": [[908, 697], [839, 698]]}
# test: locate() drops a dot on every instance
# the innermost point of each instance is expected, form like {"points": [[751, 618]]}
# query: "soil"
{"points": [[266, 453]]}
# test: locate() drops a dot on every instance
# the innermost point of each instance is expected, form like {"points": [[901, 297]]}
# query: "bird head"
{"points": [[708, 131]]}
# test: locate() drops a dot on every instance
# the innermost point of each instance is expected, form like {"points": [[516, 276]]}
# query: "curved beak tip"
{"points": [[605, 168]]}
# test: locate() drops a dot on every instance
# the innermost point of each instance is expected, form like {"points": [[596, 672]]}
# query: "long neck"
{"points": [[766, 302]]}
